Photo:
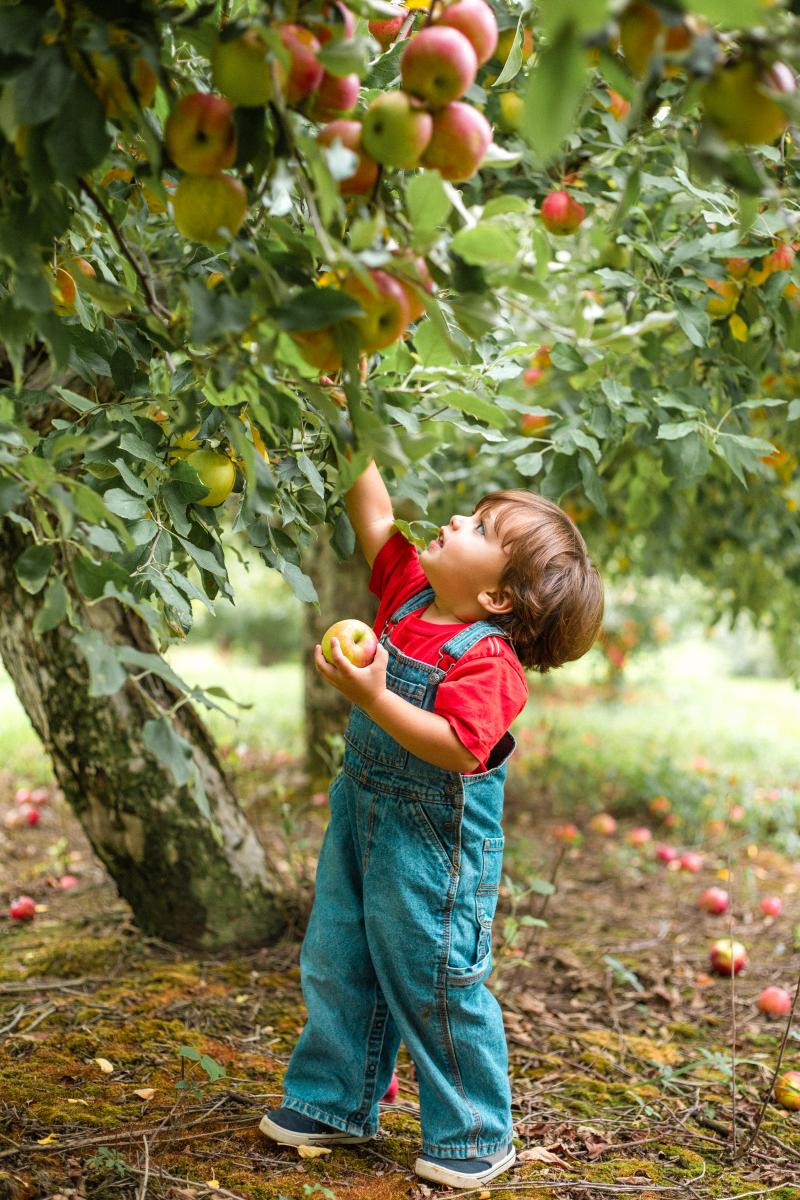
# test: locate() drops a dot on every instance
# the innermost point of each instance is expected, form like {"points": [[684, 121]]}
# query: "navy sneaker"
{"points": [[291, 1128], [465, 1172]]}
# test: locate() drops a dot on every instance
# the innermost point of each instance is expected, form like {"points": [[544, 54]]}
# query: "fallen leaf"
{"points": [[71, 1101], [313, 1151], [539, 1154], [212, 1183], [145, 1093], [242, 998], [484, 1196], [105, 1066], [47, 1141]]}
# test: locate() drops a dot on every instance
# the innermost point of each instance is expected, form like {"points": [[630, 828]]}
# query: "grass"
{"points": [[677, 703]]}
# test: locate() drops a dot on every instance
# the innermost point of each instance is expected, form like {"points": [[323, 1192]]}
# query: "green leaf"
{"points": [[553, 93], [107, 675], [92, 577], [530, 464], [312, 474], [694, 323], [793, 413], [316, 307], [124, 505], [345, 56], [33, 566], [53, 609], [487, 242], [566, 357], [541, 887], [513, 63], [139, 448], [427, 201], [171, 750], [78, 137], [477, 406], [300, 584], [671, 430], [731, 14]]}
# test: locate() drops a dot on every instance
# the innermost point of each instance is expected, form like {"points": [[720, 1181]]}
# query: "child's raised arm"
{"points": [[369, 507]]}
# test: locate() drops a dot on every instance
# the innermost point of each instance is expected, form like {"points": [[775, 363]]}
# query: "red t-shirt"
{"points": [[485, 690]]}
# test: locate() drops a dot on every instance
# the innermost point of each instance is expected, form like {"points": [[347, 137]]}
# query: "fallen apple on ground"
{"points": [[727, 957], [787, 1090], [714, 900], [392, 1089], [22, 909], [603, 823], [775, 1002], [357, 642], [666, 854], [639, 836], [691, 861], [771, 906]]}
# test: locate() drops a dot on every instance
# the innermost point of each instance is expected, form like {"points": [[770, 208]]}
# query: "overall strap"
{"points": [[463, 641], [420, 598]]}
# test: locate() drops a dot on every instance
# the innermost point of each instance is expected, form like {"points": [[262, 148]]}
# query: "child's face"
{"points": [[464, 565]]}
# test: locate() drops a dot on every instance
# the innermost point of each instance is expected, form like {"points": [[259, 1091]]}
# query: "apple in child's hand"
{"points": [[357, 642], [775, 1002], [713, 900], [22, 909], [727, 957]]}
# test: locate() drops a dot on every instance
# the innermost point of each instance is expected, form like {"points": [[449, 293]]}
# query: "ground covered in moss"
{"points": [[129, 1068]]}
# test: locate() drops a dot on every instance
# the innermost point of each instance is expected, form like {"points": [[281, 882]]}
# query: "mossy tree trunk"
{"points": [[183, 884], [343, 590]]}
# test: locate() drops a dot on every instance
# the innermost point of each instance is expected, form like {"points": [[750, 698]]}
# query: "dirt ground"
{"points": [[129, 1068]]}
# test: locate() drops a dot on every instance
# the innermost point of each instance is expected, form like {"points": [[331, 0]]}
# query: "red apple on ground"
{"points": [[200, 134], [477, 22], [22, 796], [349, 134], [386, 30], [639, 836], [727, 957], [666, 854], [305, 69], [566, 833], [386, 314], [691, 861], [392, 1090], [357, 642], [603, 823], [395, 130], [67, 881], [775, 1002], [560, 213], [22, 909], [335, 95], [39, 795], [438, 65], [460, 138], [659, 806], [787, 1090], [771, 906], [714, 900], [30, 816]]}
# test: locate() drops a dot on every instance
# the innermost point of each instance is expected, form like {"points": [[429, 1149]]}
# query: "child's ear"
{"points": [[495, 602]]}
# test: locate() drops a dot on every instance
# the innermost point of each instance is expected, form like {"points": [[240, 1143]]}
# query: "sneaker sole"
{"points": [[290, 1137], [452, 1178]]}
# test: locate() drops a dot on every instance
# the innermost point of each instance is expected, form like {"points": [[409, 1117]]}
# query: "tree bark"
{"points": [[343, 590], [155, 843]]}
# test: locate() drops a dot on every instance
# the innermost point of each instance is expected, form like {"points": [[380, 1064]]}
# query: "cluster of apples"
{"points": [[744, 272], [426, 122], [27, 811], [741, 99]]}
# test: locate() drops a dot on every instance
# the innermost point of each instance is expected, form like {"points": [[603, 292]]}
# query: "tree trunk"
{"points": [[343, 590], [155, 843]]}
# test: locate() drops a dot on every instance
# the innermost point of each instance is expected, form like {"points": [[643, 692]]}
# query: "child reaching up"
{"points": [[398, 945]]}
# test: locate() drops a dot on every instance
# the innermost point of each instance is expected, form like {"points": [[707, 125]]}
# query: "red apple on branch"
{"points": [[200, 134], [438, 65], [396, 130], [305, 69], [349, 134], [357, 642], [561, 214], [475, 19], [460, 138], [386, 29]]}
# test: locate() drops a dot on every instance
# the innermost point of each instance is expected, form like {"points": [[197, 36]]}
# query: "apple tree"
{"points": [[245, 250]]}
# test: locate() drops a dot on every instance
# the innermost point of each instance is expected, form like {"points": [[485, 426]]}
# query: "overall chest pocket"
{"points": [[373, 742]]}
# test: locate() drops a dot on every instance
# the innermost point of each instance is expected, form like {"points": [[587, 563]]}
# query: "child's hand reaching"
{"points": [[362, 685]]}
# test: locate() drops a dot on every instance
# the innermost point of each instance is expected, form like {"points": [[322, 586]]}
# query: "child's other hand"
{"points": [[361, 685]]}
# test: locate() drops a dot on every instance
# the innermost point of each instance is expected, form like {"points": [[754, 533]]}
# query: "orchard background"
{"points": [[245, 249]]}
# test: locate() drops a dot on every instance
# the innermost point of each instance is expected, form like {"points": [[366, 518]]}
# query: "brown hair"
{"points": [[556, 590]]}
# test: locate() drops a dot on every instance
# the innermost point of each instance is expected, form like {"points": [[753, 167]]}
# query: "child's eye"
{"points": [[481, 527]]}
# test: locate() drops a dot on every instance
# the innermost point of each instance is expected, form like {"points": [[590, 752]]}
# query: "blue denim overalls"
{"points": [[398, 944]]}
